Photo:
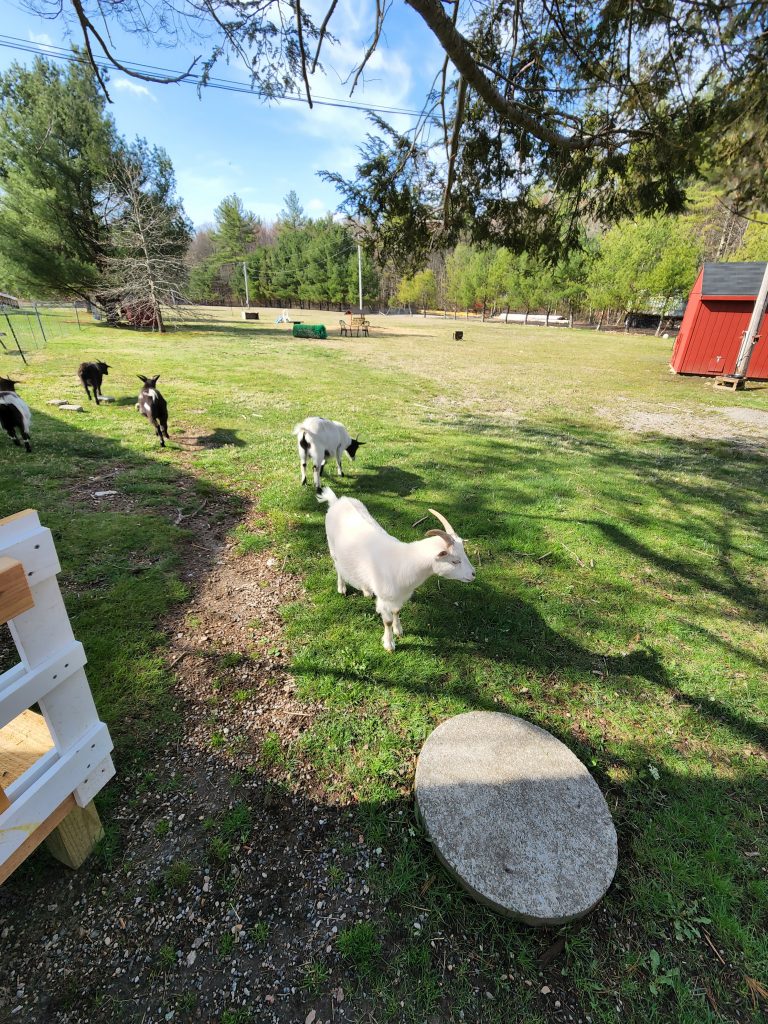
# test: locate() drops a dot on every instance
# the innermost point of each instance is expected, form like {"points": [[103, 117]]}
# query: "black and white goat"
{"points": [[15, 414], [92, 373], [152, 405], [319, 439]]}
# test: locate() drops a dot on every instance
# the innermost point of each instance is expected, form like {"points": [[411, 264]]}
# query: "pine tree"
{"points": [[237, 229], [55, 147]]}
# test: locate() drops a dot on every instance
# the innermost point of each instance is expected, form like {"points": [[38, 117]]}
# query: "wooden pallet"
{"points": [[734, 383]]}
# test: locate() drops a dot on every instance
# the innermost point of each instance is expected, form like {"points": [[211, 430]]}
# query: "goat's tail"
{"points": [[300, 431], [326, 494]]}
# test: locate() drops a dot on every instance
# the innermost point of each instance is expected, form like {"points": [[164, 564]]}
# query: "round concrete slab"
{"points": [[515, 817]]}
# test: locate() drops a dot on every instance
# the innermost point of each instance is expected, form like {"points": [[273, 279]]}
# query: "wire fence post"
{"points": [[18, 346], [40, 322], [74, 304]]}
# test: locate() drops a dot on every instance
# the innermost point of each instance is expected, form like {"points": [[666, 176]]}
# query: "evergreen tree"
{"points": [[237, 229], [55, 147], [293, 214]]}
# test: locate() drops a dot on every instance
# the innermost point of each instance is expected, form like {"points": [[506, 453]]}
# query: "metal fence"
{"points": [[29, 326]]}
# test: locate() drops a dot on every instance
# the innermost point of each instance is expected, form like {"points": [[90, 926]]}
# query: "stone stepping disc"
{"points": [[515, 817]]}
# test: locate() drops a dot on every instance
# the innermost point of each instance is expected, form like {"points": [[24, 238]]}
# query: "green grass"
{"points": [[619, 603]]}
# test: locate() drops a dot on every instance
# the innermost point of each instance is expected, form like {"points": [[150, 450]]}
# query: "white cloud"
{"points": [[41, 38], [126, 85]]}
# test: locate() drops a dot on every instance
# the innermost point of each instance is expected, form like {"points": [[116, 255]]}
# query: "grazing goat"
{"points": [[92, 373], [152, 405], [15, 414], [368, 558], [318, 438]]}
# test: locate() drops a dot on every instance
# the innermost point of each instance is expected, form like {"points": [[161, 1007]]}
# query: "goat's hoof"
{"points": [[342, 591], [389, 645], [397, 630], [367, 593]]}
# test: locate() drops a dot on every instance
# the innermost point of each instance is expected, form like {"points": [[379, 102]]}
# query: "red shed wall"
{"points": [[709, 339], [686, 327]]}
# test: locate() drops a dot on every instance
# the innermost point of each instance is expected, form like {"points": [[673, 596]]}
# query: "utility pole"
{"points": [[751, 335], [360, 276], [245, 275]]}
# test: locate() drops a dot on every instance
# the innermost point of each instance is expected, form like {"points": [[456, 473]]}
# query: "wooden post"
{"points": [[76, 836], [751, 335], [15, 595]]}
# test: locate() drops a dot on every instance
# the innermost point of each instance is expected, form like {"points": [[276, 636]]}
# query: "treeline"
{"points": [[295, 262], [646, 265], [83, 212]]}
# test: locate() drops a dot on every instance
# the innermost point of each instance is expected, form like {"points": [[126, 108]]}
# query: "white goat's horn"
{"points": [[441, 533], [444, 521]]}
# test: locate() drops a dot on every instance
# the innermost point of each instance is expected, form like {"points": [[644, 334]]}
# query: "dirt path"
{"points": [[220, 889]]}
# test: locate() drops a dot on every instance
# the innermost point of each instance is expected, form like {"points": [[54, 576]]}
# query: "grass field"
{"points": [[620, 603]]}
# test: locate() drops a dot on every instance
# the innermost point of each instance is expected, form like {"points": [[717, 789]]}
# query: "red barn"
{"points": [[717, 314]]}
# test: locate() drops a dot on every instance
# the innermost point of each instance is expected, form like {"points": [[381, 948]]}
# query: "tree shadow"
{"points": [[122, 559], [219, 437], [659, 503], [389, 480]]}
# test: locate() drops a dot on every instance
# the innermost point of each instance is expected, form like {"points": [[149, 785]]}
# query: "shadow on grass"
{"points": [[661, 508], [121, 569], [219, 437]]}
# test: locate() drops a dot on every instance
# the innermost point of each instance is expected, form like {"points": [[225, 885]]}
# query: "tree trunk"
{"points": [[506, 316], [570, 314], [546, 320], [661, 317], [527, 311], [600, 320]]}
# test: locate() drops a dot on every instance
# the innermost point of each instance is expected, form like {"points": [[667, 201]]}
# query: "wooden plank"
{"points": [[18, 516], [33, 840], [22, 742], [15, 595], [62, 779], [21, 689], [76, 836], [35, 550]]}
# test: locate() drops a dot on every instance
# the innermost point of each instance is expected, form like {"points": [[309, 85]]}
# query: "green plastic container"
{"points": [[309, 331]]}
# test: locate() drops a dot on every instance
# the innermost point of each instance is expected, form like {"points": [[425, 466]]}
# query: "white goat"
{"points": [[318, 439], [368, 558]]}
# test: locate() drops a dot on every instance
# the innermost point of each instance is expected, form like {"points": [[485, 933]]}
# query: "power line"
{"points": [[223, 84]]}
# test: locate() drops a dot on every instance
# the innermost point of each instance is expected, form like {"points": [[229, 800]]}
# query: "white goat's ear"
{"points": [[441, 533], [443, 554]]}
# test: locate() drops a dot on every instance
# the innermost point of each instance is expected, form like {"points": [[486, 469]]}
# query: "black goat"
{"points": [[152, 405], [15, 414], [92, 373]]}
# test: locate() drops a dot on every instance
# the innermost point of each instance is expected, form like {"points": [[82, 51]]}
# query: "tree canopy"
{"points": [[545, 112], [55, 147], [83, 212]]}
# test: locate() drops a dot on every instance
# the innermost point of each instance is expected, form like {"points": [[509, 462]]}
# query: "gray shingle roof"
{"points": [[732, 279]]}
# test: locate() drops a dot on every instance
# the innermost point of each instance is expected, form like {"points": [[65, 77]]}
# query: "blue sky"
{"points": [[229, 142]]}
